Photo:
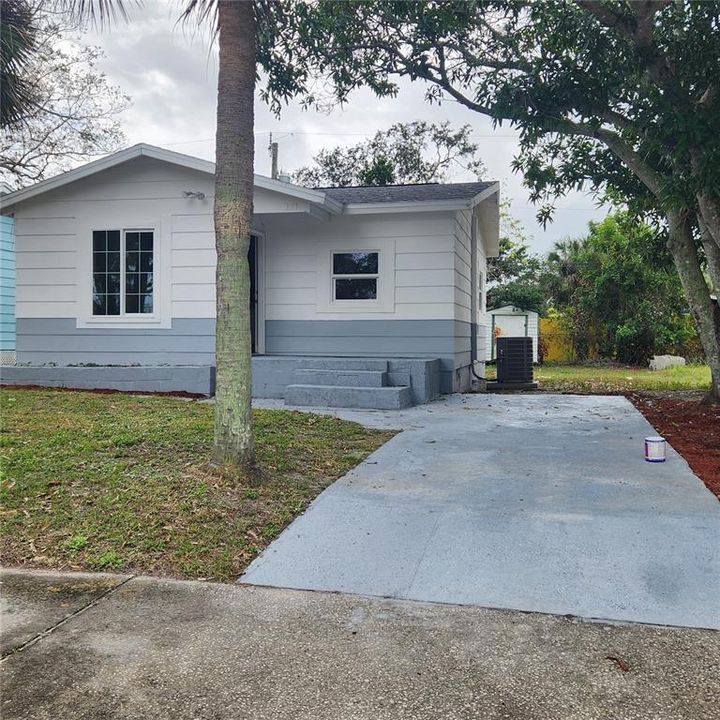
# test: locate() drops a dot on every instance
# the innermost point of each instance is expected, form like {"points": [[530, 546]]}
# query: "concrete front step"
{"points": [[374, 398], [343, 364], [345, 378]]}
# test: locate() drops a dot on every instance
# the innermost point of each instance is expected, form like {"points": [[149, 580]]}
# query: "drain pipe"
{"points": [[474, 295]]}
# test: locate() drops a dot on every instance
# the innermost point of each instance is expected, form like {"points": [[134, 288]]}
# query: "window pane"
{"points": [[146, 262], [132, 262], [146, 303], [113, 284], [356, 289], [132, 241], [99, 240], [99, 262], [358, 263], [132, 303], [113, 262], [146, 282], [99, 304], [99, 284], [113, 304], [146, 241], [132, 283], [113, 240]]}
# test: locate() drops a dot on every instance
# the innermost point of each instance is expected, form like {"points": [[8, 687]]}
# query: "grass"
{"points": [[121, 482], [617, 379]]}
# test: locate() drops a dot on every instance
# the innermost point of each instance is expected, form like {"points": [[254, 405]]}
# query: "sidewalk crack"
{"points": [[66, 619]]}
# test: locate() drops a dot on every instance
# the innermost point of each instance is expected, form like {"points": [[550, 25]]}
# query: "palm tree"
{"points": [[234, 167], [17, 45]]}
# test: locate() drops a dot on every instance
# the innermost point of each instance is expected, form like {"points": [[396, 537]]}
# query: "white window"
{"points": [[354, 279], [355, 275], [123, 274]]}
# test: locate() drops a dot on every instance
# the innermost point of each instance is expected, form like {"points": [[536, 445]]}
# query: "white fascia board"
{"points": [[170, 156], [485, 194], [405, 207], [486, 208]]}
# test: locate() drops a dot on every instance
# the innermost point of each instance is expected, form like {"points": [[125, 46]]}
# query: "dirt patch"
{"points": [[691, 427]]}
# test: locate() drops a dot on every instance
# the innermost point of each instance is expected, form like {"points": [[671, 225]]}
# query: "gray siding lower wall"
{"points": [[42, 341]]}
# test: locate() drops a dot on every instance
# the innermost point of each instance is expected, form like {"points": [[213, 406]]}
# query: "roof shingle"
{"points": [[405, 193]]}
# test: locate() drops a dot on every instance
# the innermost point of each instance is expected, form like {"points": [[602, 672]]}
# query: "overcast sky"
{"points": [[170, 74]]}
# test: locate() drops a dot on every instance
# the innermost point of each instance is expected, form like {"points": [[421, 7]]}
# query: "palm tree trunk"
{"points": [[234, 442]]}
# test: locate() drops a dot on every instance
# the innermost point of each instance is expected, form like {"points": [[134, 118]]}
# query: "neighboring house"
{"points": [[509, 321], [366, 296], [7, 292]]}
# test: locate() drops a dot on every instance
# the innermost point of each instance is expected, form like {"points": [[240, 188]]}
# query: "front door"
{"points": [[252, 262]]}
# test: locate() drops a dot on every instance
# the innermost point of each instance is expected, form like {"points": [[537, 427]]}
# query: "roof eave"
{"points": [[175, 158], [405, 206]]}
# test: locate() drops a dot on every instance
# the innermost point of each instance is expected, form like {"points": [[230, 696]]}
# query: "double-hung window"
{"points": [[355, 275], [123, 274]]}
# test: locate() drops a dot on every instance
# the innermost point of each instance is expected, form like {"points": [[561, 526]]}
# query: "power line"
{"points": [[288, 133]]}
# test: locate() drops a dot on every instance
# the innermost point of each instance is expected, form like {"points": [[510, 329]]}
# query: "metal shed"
{"points": [[509, 321]]}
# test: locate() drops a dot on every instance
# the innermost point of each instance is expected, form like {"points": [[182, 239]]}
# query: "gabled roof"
{"points": [[336, 201], [151, 151]]}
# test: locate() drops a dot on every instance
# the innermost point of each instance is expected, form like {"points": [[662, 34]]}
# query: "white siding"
{"points": [[54, 237], [424, 283]]}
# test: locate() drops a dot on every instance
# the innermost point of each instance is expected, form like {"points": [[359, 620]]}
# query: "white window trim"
{"points": [[354, 276], [385, 302], [161, 316]]}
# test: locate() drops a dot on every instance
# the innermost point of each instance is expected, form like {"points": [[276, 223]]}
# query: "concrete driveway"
{"points": [[528, 502]]}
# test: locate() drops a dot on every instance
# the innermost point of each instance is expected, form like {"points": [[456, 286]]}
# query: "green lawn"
{"points": [[121, 482], [604, 379]]}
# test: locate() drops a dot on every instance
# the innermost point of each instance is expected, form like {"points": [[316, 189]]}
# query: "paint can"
{"points": [[655, 449]]}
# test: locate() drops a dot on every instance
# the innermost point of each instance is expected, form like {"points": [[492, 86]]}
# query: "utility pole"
{"points": [[273, 158]]}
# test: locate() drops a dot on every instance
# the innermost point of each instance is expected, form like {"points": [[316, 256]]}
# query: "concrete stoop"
{"points": [[349, 384]]}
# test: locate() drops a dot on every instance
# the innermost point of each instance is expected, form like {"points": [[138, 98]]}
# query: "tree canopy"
{"points": [[618, 291], [64, 108], [414, 152], [513, 277]]}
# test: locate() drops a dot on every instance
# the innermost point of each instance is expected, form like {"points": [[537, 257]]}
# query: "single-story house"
{"points": [[364, 296], [510, 321]]}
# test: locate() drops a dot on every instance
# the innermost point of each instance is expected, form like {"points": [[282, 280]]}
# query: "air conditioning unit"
{"points": [[514, 360]]}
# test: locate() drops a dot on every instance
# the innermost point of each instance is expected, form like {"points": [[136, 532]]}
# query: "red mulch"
{"points": [[690, 426]]}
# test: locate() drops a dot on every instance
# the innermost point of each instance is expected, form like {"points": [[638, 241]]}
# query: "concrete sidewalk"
{"points": [[85, 647], [539, 502]]}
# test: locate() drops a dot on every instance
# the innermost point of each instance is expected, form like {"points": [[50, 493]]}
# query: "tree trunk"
{"points": [[710, 214], [704, 311], [234, 442], [712, 254]]}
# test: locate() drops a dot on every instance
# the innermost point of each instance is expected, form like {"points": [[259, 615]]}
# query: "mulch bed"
{"points": [[690, 426]]}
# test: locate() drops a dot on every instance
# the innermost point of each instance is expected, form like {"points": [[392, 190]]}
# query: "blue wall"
{"points": [[7, 283]]}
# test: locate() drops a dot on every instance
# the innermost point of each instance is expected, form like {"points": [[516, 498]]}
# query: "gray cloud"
{"points": [[170, 72]]}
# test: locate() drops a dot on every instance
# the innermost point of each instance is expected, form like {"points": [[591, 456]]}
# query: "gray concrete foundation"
{"points": [[271, 376], [198, 380]]}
